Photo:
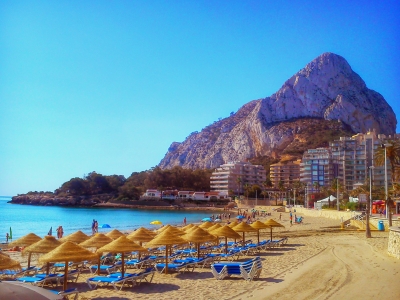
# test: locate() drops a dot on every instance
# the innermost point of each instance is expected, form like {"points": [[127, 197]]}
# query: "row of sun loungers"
{"points": [[116, 278]]}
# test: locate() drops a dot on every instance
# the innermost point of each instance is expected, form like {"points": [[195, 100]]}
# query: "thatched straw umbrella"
{"points": [[185, 228], [121, 244], [68, 252], [194, 227], [45, 245], [26, 240], [206, 225], [114, 234], [198, 236], [76, 237], [226, 232], [233, 224], [215, 226], [96, 241], [167, 238], [173, 229], [258, 225], [7, 263], [272, 223], [243, 227], [141, 235]]}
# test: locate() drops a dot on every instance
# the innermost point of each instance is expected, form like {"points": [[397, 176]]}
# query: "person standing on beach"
{"points": [[93, 227], [280, 216], [184, 221], [7, 237]]}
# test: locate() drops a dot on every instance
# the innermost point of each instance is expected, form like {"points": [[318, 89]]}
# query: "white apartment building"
{"points": [[234, 176], [317, 167], [354, 155]]}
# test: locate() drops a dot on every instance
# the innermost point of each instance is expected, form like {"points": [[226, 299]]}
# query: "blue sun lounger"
{"points": [[40, 279], [67, 293], [248, 270], [110, 280], [138, 277]]}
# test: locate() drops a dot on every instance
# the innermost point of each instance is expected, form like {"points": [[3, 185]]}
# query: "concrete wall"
{"points": [[330, 214], [394, 242]]}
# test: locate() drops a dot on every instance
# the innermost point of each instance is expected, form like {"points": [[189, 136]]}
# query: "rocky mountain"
{"points": [[327, 93]]}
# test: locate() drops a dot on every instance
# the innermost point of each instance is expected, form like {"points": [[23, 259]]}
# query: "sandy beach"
{"points": [[320, 261]]}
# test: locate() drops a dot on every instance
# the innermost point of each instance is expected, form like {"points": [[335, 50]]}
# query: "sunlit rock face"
{"points": [[327, 89]]}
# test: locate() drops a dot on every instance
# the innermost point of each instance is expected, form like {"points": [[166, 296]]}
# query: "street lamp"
{"points": [[370, 189], [337, 193], [386, 182], [294, 197]]}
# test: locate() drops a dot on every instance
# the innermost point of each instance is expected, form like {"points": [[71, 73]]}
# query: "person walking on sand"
{"points": [[280, 216], [7, 237]]}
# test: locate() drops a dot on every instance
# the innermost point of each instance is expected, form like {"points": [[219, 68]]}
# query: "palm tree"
{"points": [[393, 155], [239, 182], [247, 188]]}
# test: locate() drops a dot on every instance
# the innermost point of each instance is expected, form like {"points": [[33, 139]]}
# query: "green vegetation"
{"points": [[120, 188]]}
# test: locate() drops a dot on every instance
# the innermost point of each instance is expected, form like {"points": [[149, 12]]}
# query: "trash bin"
{"points": [[381, 226]]}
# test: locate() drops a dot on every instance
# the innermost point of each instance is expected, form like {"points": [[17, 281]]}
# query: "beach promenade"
{"points": [[320, 261]]}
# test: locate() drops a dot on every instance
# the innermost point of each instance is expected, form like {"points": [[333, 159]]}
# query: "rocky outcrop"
{"points": [[327, 89], [50, 200]]}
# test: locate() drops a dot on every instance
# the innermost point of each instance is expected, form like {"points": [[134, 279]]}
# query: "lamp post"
{"points": [[386, 182], [294, 197], [337, 193], [370, 188]]}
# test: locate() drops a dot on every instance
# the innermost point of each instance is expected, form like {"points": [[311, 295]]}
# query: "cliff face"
{"points": [[326, 89]]}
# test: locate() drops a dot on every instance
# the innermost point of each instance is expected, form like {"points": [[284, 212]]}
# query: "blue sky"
{"points": [[107, 86]]}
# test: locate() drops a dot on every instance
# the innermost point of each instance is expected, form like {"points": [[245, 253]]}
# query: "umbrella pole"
{"points": [[258, 236], [271, 234], [98, 266], [198, 250], [29, 259], [243, 240], [166, 259], [47, 268], [123, 264], [65, 275], [139, 251], [226, 245]]}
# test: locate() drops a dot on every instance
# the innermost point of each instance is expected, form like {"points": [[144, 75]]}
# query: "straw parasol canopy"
{"points": [[167, 238], [67, 252], [194, 227], [226, 232], [26, 240], [122, 245], [45, 245], [198, 236], [76, 237], [174, 229], [243, 227], [7, 263], [206, 225], [215, 226], [115, 234], [142, 235], [272, 223], [258, 225], [96, 241], [233, 224], [185, 228]]}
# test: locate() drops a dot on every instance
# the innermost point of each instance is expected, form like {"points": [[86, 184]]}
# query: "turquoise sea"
{"points": [[24, 219]]}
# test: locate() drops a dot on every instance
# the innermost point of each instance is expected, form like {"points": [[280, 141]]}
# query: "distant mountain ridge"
{"points": [[327, 89]]}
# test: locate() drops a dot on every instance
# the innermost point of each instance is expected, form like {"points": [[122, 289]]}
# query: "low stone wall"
{"points": [[394, 242], [375, 220], [330, 214]]}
